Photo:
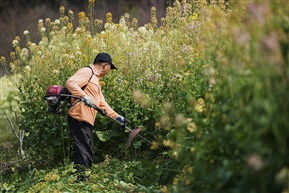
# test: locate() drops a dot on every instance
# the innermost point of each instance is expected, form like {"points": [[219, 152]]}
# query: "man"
{"points": [[81, 116]]}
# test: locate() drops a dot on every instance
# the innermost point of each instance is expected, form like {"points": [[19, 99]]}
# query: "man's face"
{"points": [[105, 69]]}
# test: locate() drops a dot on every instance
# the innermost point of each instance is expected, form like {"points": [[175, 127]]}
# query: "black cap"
{"points": [[104, 57]]}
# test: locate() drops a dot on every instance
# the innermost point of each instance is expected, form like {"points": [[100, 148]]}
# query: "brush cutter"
{"points": [[58, 96]]}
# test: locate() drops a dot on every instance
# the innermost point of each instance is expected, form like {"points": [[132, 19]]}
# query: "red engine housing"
{"points": [[55, 97], [54, 90]]}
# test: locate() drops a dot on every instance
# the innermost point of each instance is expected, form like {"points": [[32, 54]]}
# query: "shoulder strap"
{"points": [[89, 78]]}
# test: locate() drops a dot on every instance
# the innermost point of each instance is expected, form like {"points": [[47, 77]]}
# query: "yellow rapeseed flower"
{"points": [[109, 17], [102, 84], [199, 108], [47, 21], [51, 177], [91, 2], [201, 101], [176, 179], [55, 28], [71, 14], [153, 11], [155, 145], [62, 9], [65, 18], [81, 15], [69, 26], [157, 124], [134, 23], [169, 143], [71, 180], [282, 175], [17, 38], [111, 95], [194, 16], [3, 60], [95, 187], [192, 127], [98, 23], [164, 189], [12, 55]]}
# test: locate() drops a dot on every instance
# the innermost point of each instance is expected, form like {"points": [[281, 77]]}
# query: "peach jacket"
{"points": [[79, 110]]}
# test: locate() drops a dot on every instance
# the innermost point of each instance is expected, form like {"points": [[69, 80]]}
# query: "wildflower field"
{"points": [[208, 84]]}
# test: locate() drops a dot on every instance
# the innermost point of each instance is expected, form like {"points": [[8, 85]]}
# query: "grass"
{"points": [[112, 175], [8, 141], [8, 103]]}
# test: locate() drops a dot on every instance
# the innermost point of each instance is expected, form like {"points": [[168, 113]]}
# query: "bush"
{"points": [[241, 143]]}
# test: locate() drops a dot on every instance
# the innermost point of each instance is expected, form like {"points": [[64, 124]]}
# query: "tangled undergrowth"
{"points": [[111, 175]]}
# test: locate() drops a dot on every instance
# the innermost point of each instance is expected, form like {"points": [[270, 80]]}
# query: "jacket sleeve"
{"points": [[77, 81], [103, 105]]}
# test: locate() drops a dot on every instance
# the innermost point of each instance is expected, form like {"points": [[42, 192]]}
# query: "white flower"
{"points": [[109, 26], [40, 21], [24, 53], [15, 43], [78, 29], [43, 29], [26, 32], [142, 30], [51, 33], [56, 71], [57, 21], [122, 21], [27, 68]]}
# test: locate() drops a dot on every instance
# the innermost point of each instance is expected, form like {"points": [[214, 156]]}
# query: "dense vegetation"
{"points": [[14, 20], [208, 84]]}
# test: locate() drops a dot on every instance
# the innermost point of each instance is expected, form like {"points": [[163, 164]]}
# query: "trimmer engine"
{"points": [[56, 96]]}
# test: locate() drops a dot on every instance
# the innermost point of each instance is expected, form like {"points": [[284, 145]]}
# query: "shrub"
{"points": [[241, 144], [155, 71]]}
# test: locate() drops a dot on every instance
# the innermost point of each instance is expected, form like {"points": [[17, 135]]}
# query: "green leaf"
{"points": [[137, 144], [104, 135]]}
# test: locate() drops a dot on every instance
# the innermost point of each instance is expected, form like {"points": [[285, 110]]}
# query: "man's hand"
{"points": [[88, 101], [120, 119]]}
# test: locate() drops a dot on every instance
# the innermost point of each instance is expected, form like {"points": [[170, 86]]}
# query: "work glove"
{"points": [[88, 101], [120, 119]]}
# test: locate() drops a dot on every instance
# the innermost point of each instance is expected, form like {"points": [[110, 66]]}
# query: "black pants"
{"points": [[81, 133]]}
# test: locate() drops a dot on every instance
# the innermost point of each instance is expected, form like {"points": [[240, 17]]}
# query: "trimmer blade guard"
{"points": [[132, 135]]}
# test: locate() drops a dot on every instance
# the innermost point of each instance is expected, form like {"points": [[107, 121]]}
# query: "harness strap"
{"points": [[89, 78]]}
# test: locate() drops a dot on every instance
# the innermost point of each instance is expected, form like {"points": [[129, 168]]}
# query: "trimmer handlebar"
{"points": [[102, 112], [53, 96]]}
